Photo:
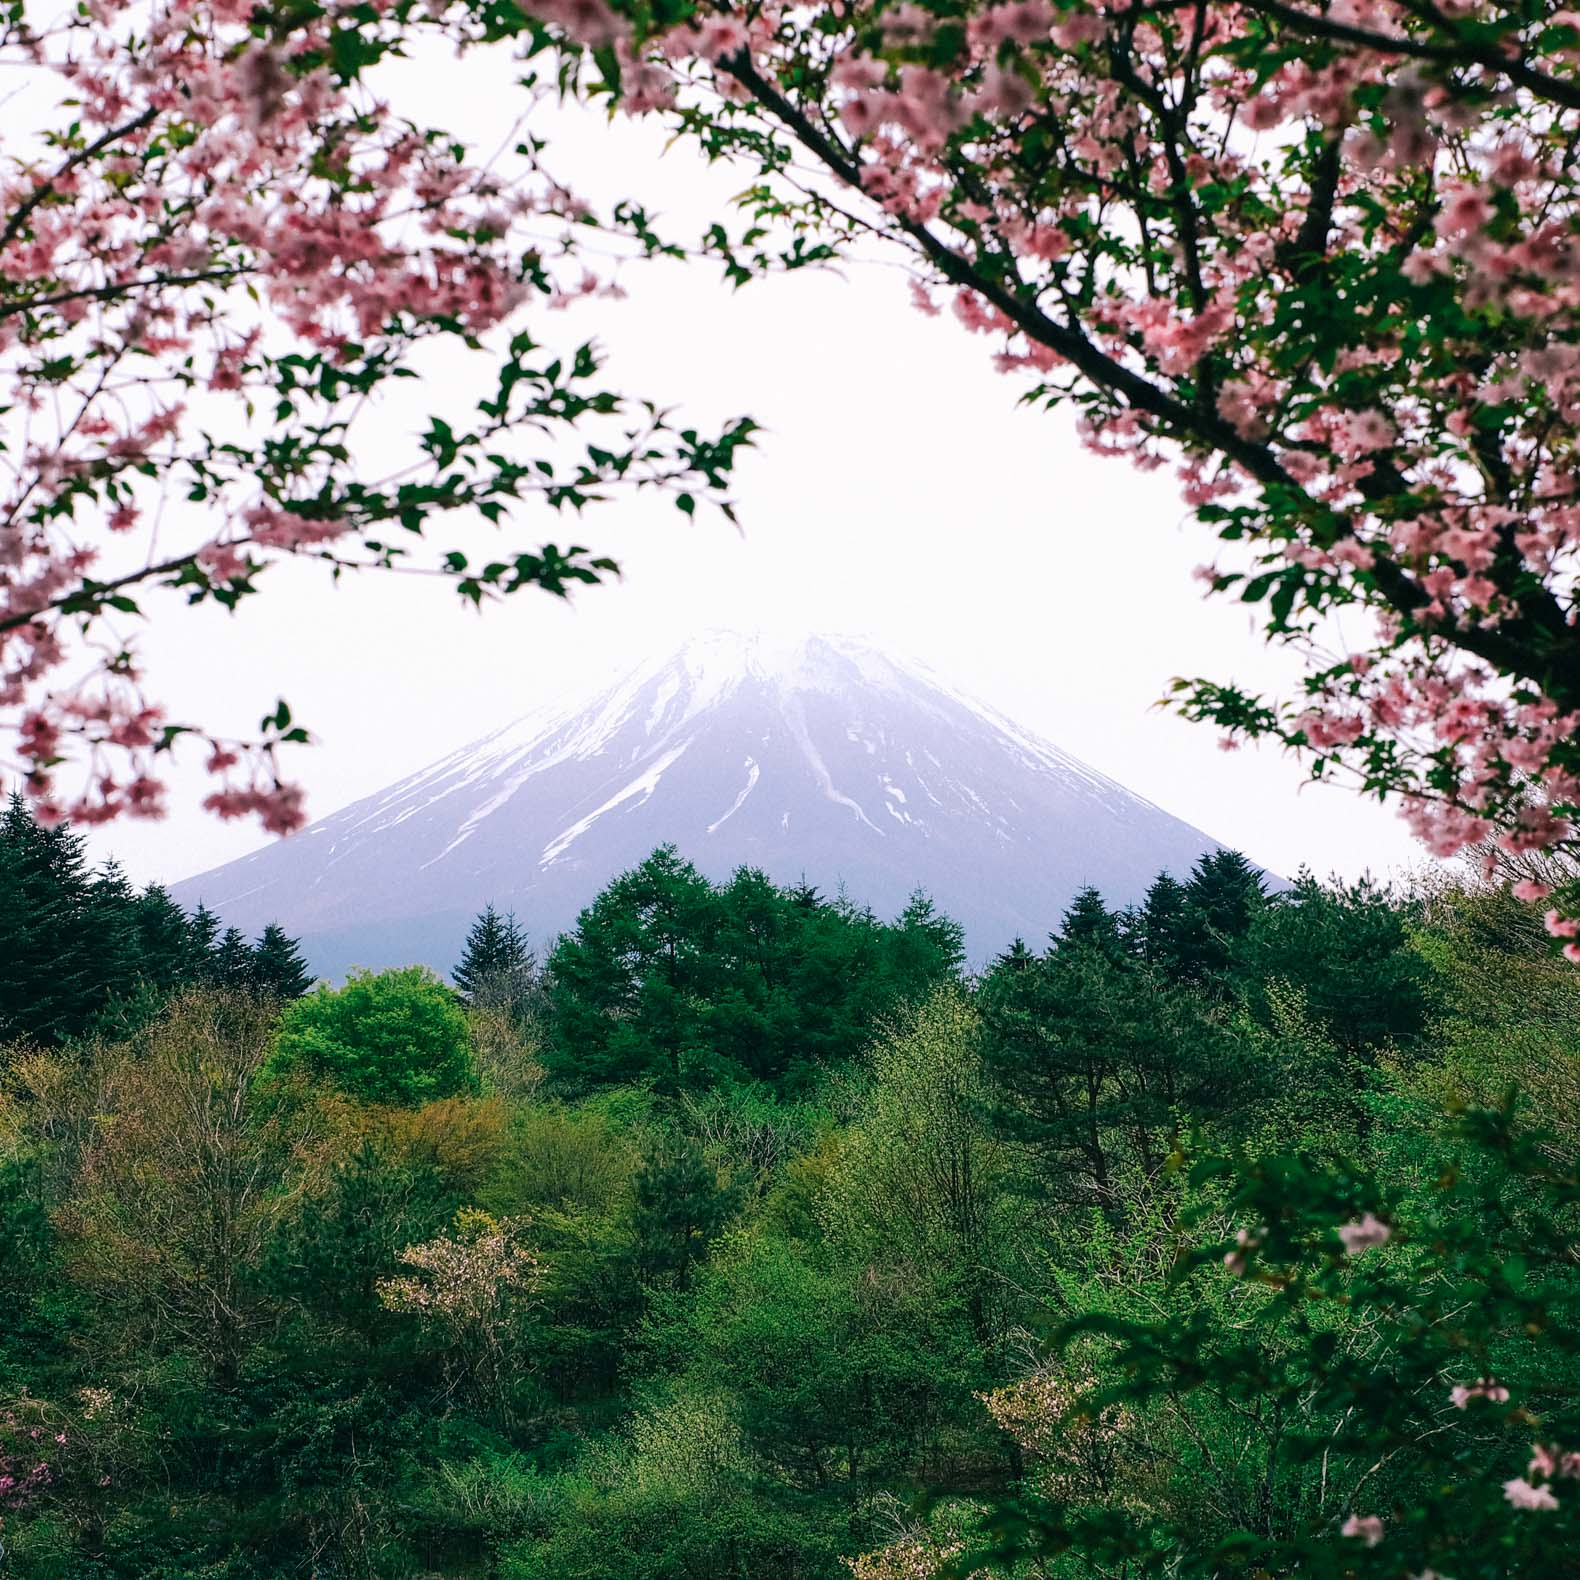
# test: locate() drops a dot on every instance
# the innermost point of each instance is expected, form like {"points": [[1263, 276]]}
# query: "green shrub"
{"points": [[385, 1037]]}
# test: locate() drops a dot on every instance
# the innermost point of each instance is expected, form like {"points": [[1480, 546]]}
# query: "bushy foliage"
{"points": [[672, 979], [1176, 1247], [1348, 1377], [385, 1037]]}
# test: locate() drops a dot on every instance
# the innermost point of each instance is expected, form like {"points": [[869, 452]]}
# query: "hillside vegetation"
{"points": [[744, 1234]]}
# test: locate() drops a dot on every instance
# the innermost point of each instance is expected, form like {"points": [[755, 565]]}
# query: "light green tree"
{"points": [[391, 1037]]}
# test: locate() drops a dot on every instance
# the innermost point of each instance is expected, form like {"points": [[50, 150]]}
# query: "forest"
{"points": [[740, 1232]]}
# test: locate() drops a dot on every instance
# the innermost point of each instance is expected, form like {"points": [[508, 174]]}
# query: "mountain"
{"points": [[823, 758]]}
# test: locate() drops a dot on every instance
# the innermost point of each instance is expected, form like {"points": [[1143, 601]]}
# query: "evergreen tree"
{"points": [[1091, 1054], [332, 1253], [1162, 926], [497, 968], [278, 968], [45, 978], [670, 978], [164, 940], [233, 960], [679, 1207], [1089, 924], [1224, 893], [928, 947], [629, 981], [804, 895], [203, 945], [114, 948], [1348, 949], [1018, 957]]}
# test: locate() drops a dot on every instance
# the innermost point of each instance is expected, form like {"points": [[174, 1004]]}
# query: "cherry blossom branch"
{"points": [[111, 293], [24, 210]]}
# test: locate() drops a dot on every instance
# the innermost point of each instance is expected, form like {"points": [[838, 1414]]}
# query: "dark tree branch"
{"points": [[13, 226]]}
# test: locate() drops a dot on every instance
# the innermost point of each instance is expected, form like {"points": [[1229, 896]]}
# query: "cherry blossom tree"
{"points": [[218, 248], [1320, 258], [1376, 1382], [473, 1290]]}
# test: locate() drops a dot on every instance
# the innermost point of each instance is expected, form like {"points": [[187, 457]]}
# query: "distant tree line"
{"points": [[81, 950]]}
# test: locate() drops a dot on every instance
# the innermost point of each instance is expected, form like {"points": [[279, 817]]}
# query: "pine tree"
{"points": [[278, 968], [1090, 924], [1348, 950], [164, 940], [1092, 1055], [203, 945], [1018, 957], [44, 959], [927, 948], [233, 960], [1225, 892], [1162, 926], [496, 966], [114, 954], [679, 1206], [804, 895]]}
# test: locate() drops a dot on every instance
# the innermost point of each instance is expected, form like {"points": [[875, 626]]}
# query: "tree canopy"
{"points": [[1104, 1261], [83, 949], [672, 978], [385, 1037]]}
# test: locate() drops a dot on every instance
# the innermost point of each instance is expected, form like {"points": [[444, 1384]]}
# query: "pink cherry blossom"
{"points": [[1364, 1233], [1522, 1495], [1367, 1528], [1483, 1388]]}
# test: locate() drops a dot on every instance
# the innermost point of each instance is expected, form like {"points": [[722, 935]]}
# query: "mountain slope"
{"points": [[824, 758]]}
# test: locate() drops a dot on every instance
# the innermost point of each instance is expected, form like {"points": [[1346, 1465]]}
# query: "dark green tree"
{"points": [[679, 1207], [1017, 957], [47, 981], [1347, 948], [1162, 926], [1224, 893], [278, 968], [166, 957], [928, 947], [1094, 1059], [672, 979], [233, 960], [628, 982], [330, 1254], [497, 968], [111, 921], [1089, 924], [203, 937]]}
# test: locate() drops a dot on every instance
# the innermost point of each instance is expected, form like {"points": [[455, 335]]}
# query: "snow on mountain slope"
{"points": [[821, 758]]}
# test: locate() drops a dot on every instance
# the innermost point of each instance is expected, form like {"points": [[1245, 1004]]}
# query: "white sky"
{"points": [[899, 492]]}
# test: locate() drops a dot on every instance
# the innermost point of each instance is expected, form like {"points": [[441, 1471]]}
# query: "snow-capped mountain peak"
{"points": [[820, 756]]}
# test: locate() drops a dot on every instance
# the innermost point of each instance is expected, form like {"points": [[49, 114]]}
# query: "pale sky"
{"points": [[898, 492]]}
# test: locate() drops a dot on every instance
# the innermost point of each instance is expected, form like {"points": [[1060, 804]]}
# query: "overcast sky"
{"points": [[898, 492]]}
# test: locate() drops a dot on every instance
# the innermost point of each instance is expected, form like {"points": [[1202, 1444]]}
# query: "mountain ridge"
{"points": [[822, 757]]}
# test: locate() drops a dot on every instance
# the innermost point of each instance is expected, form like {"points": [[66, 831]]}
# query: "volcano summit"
{"points": [[824, 758]]}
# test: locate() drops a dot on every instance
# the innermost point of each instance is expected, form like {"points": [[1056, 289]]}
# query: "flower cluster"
{"points": [[216, 243], [43, 1447], [468, 1280], [906, 1558], [1365, 1232], [1534, 1490]]}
